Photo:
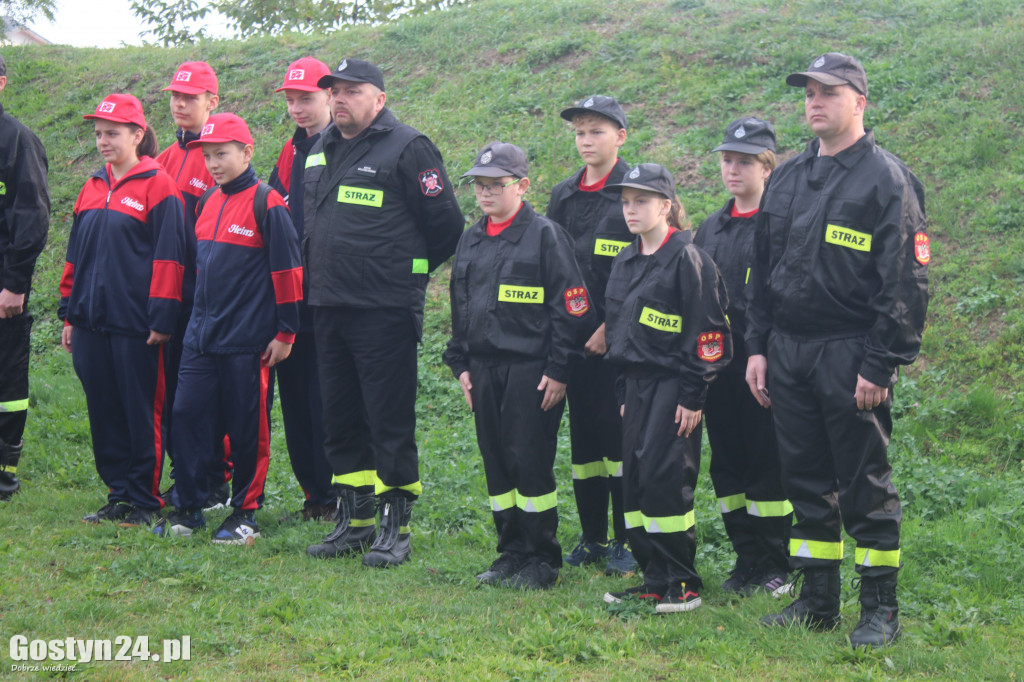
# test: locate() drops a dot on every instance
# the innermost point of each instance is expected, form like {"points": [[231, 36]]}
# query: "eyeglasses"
{"points": [[488, 188]]}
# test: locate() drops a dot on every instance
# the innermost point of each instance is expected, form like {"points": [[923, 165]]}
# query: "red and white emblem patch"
{"points": [[430, 182], [576, 302], [922, 251], [709, 346]]}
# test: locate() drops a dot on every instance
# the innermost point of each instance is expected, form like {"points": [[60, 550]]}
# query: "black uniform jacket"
{"points": [[379, 214], [730, 243], [595, 223], [841, 251], [666, 316], [24, 203], [518, 295]]}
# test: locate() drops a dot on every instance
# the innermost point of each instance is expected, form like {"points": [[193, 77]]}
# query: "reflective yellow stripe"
{"points": [[747, 279], [669, 524], [420, 266], [14, 405], [766, 508], [538, 504], [9, 469], [404, 530], [608, 247], [633, 519], [851, 239], [503, 501], [379, 487], [731, 503], [357, 479], [582, 472], [662, 321], [614, 468], [508, 293], [316, 160], [877, 557], [361, 523], [360, 196], [815, 549], [3, 189]]}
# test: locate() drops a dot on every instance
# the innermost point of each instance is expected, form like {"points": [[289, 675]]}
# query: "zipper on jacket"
{"points": [[209, 259]]}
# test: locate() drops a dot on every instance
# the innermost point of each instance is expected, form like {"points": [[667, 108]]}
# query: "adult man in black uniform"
{"points": [[839, 291], [380, 214], [24, 224]]}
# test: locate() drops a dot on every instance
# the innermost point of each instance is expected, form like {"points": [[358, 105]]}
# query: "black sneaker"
{"points": [[180, 522], [586, 553], [739, 578], [503, 567], [169, 497], [218, 497], [139, 517], [638, 592], [620, 559], [775, 583], [534, 574], [237, 528], [111, 511], [678, 599]]}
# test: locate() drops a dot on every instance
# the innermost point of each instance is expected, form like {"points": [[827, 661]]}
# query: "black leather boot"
{"points": [[392, 545], [879, 622], [9, 456], [817, 607], [356, 528]]}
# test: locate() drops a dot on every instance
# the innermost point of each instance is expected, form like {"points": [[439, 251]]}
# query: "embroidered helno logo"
{"points": [[634, 174], [589, 102], [207, 129], [740, 132], [106, 108], [183, 76], [819, 62], [343, 65], [486, 158], [296, 74]]}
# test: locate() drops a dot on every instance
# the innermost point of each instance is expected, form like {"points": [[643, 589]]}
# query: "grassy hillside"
{"points": [[943, 93]]}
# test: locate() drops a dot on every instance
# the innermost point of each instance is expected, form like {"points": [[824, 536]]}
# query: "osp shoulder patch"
{"points": [[430, 182], [922, 249], [576, 302], [709, 346]]}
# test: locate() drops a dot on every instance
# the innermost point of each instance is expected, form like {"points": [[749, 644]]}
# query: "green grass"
{"points": [[942, 96]]}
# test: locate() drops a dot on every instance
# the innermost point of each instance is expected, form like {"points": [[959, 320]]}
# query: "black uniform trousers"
{"points": [[746, 474], [217, 394], [834, 465], [367, 364], [302, 412], [517, 441], [123, 381], [595, 431], [659, 474], [14, 353]]}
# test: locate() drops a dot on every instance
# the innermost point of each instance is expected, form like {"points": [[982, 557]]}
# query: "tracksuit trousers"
{"points": [[123, 381], [517, 441], [659, 474], [835, 470]]}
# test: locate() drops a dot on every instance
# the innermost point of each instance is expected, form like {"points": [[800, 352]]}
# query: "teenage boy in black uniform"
{"points": [[839, 294], [24, 224], [380, 214], [744, 457], [594, 220], [520, 315]]}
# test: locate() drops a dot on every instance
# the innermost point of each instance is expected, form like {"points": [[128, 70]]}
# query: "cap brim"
{"points": [[187, 89], [741, 147], [799, 80], [303, 88], [112, 119], [572, 112], [213, 140], [328, 80], [617, 187], [488, 172]]}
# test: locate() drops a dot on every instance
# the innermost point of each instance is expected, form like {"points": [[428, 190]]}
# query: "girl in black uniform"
{"points": [[744, 457], [667, 331]]}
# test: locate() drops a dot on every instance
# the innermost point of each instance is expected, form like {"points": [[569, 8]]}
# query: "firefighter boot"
{"points": [[879, 622], [392, 545], [817, 607], [9, 456], [355, 529]]}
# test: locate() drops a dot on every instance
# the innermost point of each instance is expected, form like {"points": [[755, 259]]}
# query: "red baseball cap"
{"points": [[303, 74], [194, 78], [120, 108], [223, 128]]}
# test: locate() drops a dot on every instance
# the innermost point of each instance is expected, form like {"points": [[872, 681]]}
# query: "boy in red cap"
{"points": [[194, 97], [243, 322], [298, 381]]}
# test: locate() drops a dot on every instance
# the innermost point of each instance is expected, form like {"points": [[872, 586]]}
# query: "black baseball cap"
{"points": [[356, 71], [651, 177], [607, 106], [498, 159], [749, 136], [833, 68]]}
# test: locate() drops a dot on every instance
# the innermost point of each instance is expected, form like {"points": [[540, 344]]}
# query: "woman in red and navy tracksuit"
{"points": [[120, 298]]}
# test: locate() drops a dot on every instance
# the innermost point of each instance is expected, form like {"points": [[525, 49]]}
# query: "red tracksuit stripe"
{"points": [[287, 285], [67, 279], [158, 415], [167, 279], [259, 479]]}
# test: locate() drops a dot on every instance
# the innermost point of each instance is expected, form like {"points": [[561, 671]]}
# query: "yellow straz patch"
{"points": [[360, 196], [508, 293], [662, 321], [851, 239], [608, 247]]}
